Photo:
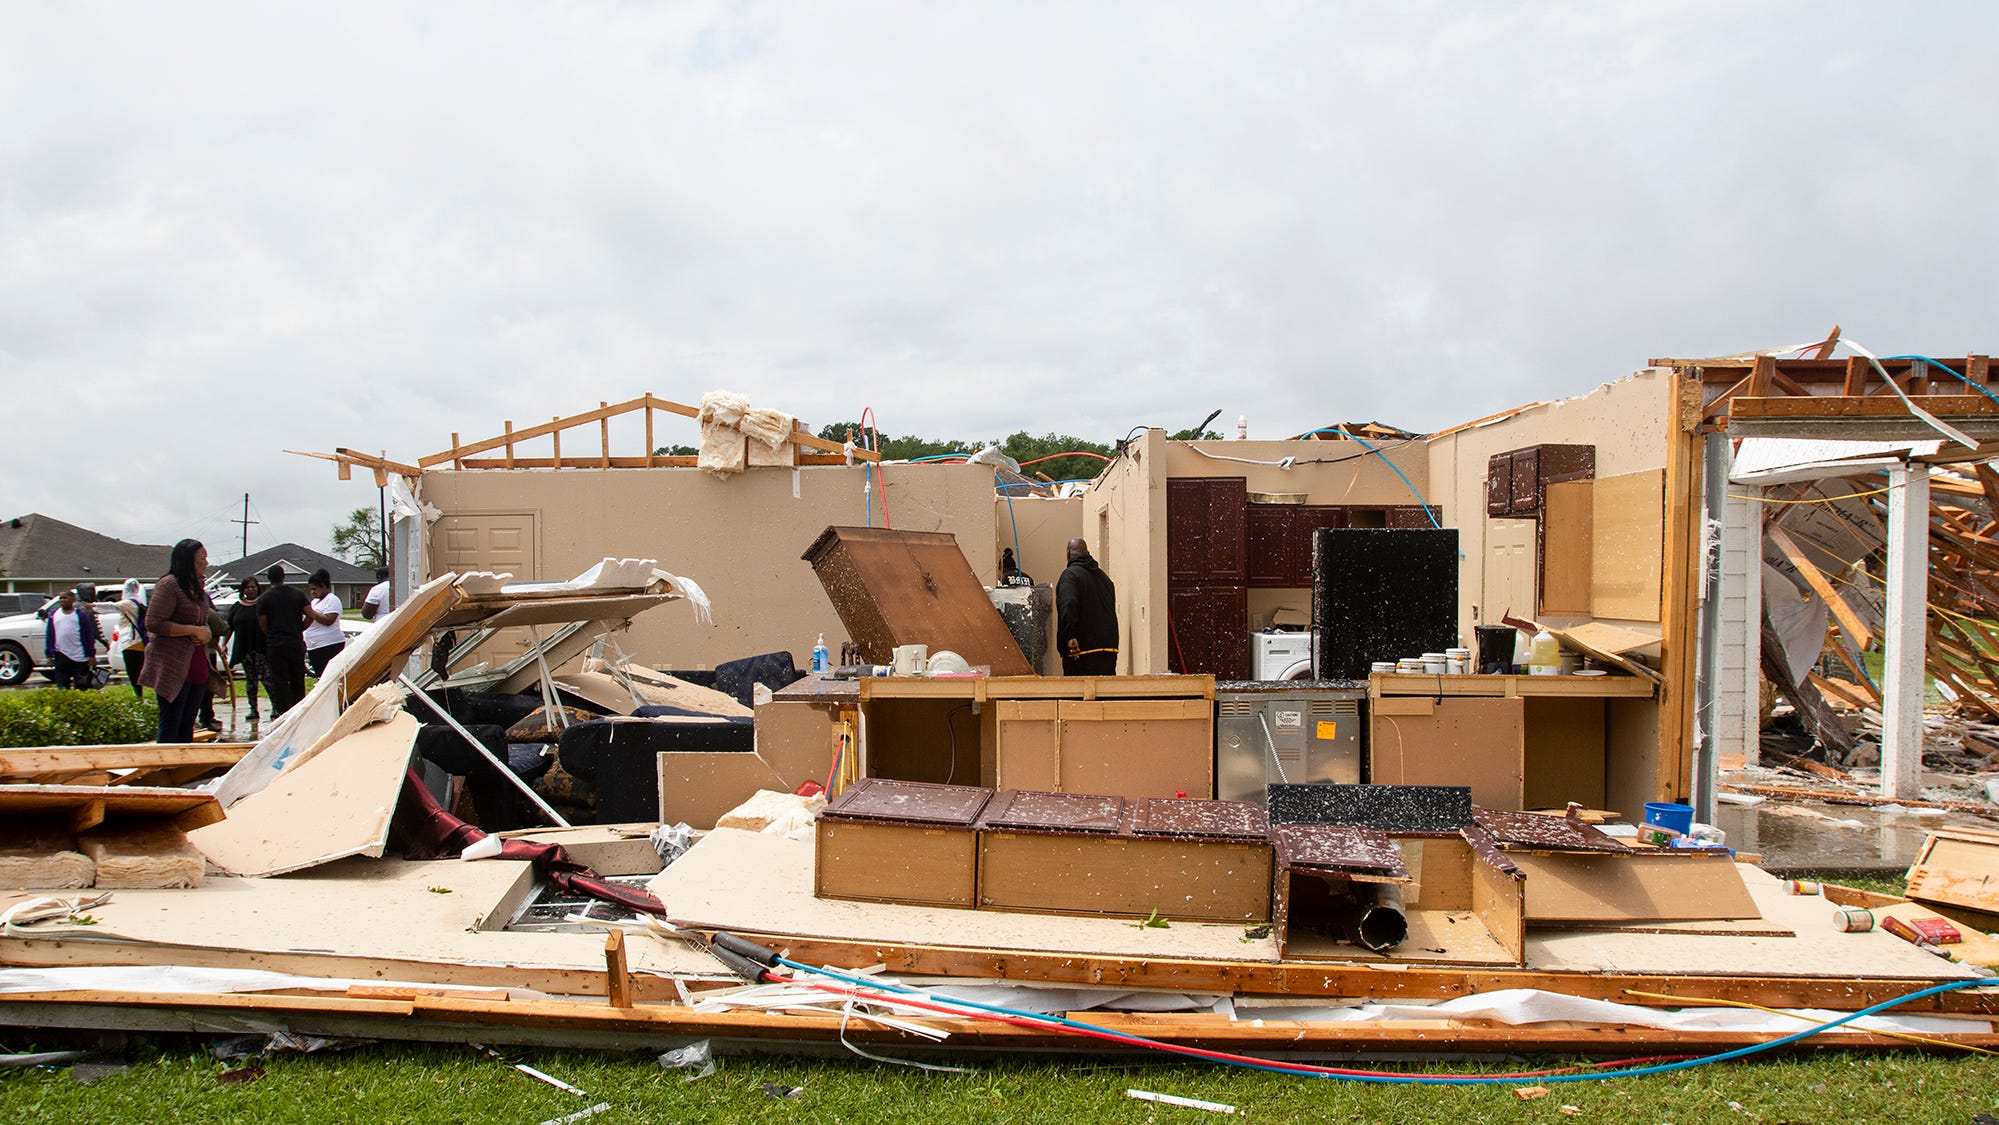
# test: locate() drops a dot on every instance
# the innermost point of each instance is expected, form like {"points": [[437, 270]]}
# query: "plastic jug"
{"points": [[1545, 658], [821, 661]]}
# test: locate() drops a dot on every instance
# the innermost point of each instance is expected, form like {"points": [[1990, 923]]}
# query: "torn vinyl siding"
{"points": [[1736, 713]]}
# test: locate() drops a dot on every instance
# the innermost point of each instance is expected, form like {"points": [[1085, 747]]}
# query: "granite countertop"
{"points": [[1289, 685]]}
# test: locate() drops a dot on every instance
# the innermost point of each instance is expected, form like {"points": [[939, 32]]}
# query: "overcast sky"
{"points": [[231, 230]]}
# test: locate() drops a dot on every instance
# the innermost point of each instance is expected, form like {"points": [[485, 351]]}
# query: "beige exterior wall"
{"points": [[739, 537], [1628, 423], [1044, 528], [1355, 477], [1124, 521]]}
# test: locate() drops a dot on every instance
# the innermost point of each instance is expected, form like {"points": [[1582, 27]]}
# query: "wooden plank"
{"points": [[1761, 373], [98, 804], [1627, 530], [44, 760], [1957, 869], [457, 1018], [86, 816], [617, 977], [1848, 406], [1565, 549]]}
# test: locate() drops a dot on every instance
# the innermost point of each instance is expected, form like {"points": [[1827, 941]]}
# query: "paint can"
{"points": [[1433, 663], [1382, 667], [1457, 661], [1802, 887], [1852, 919]]}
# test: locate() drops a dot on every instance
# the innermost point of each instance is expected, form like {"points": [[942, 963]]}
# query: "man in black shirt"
{"points": [[281, 612]]}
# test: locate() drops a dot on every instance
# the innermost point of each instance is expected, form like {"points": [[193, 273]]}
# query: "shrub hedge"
{"points": [[58, 717]]}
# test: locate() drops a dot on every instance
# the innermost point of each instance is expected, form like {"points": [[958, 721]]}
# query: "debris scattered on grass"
{"points": [[1189, 1103], [698, 1057], [1530, 1093], [579, 1115], [778, 1093], [86, 1073], [240, 1075]]}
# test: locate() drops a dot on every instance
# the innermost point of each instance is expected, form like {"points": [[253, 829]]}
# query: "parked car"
{"points": [[22, 637]]}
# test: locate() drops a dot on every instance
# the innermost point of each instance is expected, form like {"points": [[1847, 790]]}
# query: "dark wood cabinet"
{"points": [[1517, 481], [1280, 541], [1207, 555]]}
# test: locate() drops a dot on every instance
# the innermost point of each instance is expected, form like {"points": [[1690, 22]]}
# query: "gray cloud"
{"points": [[233, 230]]}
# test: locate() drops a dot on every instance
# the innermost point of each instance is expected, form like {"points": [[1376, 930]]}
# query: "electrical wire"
{"points": [[1965, 379], [1031, 1019], [1816, 499], [871, 431], [1071, 453]]}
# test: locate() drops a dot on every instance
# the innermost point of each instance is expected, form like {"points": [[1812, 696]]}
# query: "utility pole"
{"points": [[246, 521]]}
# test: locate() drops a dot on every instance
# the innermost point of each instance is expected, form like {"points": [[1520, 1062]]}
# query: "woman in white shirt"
{"points": [[323, 638]]}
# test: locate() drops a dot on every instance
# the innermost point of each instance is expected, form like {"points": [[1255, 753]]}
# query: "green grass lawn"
{"points": [[401, 1082]]}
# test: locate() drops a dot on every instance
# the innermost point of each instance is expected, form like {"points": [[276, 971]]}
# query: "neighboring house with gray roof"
{"points": [[350, 582], [42, 555]]}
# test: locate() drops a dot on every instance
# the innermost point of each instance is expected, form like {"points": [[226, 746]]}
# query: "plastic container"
{"points": [[1667, 814], [1544, 657], [821, 660], [1523, 651]]}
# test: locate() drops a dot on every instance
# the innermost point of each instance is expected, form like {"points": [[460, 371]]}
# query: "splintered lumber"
{"points": [[1818, 718], [37, 854], [145, 856]]}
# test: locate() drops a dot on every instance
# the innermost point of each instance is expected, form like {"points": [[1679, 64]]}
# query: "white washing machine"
{"points": [[1280, 656]]}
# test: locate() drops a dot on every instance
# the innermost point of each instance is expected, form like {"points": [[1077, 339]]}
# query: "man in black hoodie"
{"points": [[1086, 631]]}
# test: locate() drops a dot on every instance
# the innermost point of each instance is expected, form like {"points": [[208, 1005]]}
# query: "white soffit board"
{"points": [[1775, 460]]}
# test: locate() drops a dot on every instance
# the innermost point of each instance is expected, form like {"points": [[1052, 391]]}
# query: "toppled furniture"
{"points": [[894, 588], [1072, 853], [900, 841]]}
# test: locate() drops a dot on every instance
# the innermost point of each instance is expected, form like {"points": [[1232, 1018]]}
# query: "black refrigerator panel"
{"points": [[1382, 594]]}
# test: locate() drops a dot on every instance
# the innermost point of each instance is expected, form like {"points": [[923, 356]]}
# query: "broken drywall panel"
{"points": [[374, 655], [428, 921], [1390, 808], [145, 856], [334, 805]]}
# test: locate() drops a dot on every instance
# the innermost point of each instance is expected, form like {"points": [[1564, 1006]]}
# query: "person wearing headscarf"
{"points": [[130, 639]]}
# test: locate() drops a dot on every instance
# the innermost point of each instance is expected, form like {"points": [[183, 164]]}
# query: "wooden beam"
{"points": [[604, 433], [664, 461], [1847, 406], [1679, 651], [460, 450], [86, 816], [1849, 621], [1761, 376], [1824, 350], [42, 760], [617, 977], [1858, 371], [556, 444], [346, 457]]}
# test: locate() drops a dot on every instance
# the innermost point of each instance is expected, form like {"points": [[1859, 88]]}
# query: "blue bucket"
{"points": [[1666, 814]]}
